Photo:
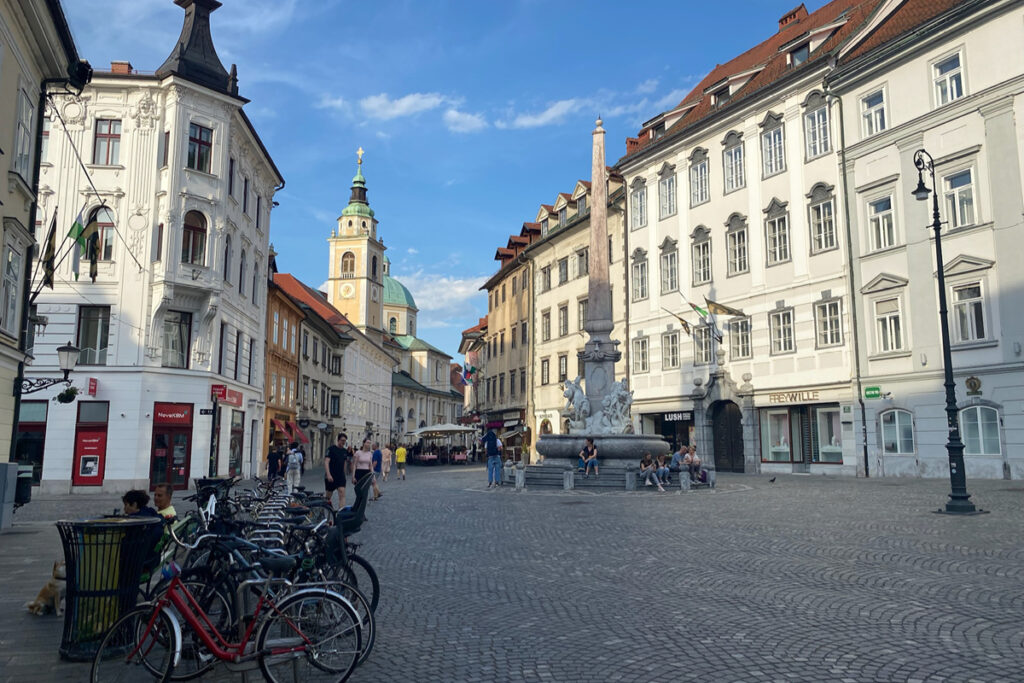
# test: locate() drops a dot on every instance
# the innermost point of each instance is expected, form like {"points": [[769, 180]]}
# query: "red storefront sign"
{"points": [[90, 455], [219, 391], [172, 413], [232, 398], [94, 385]]}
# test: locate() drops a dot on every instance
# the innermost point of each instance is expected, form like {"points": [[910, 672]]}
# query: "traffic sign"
{"points": [[206, 411], [872, 392]]}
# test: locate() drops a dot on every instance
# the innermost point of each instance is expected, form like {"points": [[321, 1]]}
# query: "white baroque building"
{"points": [[180, 187]]}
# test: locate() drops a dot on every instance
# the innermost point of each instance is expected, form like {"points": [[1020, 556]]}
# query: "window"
{"points": [[670, 351], [245, 196], [968, 313], [702, 345], [277, 324], [93, 334], [800, 55], [640, 355], [316, 350], [284, 333], [544, 228], [822, 216], [639, 279], [949, 83], [563, 368], [522, 381], [106, 149], [828, 323], [167, 147], [103, 238], [581, 313], [545, 326], [503, 291], [177, 338], [231, 177], [200, 144], [897, 432], [523, 286], [882, 225], [583, 262], [241, 274], [873, 113], [562, 213], [669, 271], [23, 137], [259, 210], [11, 322], [193, 241], [739, 339], [581, 205], [980, 428], [227, 258], [294, 335], [545, 279], [524, 339], [773, 149], [736, 244], [393, 325], [699, 192], [252, 357], [777, 229], [563, 271], [515, 285], [44, 147], [638, 206], [305, 344], [238, 353], [545, 371], [511, 383], [959, 193], [780, 325], [732, 162], [501, 343], [255, 278], [888, 326], [775, 436], [667, 196], [563, 321], [701, 256], [816, 132]]}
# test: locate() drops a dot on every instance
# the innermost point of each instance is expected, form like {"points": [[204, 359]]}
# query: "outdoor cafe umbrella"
{"points": [[441, 431]]}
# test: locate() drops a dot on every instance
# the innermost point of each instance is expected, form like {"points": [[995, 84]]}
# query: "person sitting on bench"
{"points": [[589, 457], [649, 472], [692, 462]]}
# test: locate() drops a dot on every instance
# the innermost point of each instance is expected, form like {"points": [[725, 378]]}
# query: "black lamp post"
{"points": [[67, 357], [959, 502]]}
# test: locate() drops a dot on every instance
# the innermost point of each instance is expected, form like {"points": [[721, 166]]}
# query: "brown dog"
{"points": [[51, 596]]}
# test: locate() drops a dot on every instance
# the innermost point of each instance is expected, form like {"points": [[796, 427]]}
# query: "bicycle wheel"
{"points": [[362, 608], [211, 595], [366, 578], [313, 635], [134, 650]]}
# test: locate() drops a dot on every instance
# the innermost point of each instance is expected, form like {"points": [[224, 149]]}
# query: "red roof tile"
{"points": [[907, 16], [315, 300]]}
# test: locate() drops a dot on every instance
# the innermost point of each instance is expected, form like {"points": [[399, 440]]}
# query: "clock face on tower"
{"points": [[373, 292], [347, 291]]}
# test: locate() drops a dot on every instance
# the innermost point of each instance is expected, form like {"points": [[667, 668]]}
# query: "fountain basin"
{"points": [[612, 449]]}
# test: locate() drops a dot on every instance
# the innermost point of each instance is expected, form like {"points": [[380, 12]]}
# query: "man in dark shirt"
{"points": [[274, 459], [336, 464]]}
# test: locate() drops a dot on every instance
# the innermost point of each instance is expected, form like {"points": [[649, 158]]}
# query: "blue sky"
{"points": [[472, 114]]}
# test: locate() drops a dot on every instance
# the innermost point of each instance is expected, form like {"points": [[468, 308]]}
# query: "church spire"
{"points": [[358, 205]]}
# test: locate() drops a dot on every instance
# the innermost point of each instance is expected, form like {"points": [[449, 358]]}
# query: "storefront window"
{"points": [[828, 436], [775, 436], [32, 437]]}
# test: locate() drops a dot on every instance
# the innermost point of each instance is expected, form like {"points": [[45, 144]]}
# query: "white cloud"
{"points": [[329, 102], [555, 113], [671, 99], [443, 300], [412, 251], [647, 87], [384, 108], [463, 122]]}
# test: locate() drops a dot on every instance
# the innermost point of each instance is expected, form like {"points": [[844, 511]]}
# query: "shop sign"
{"points": [[793, 396], [172, 413], [304, 423], [219, 391], [677, 417], [872, 392], [94, 385]]}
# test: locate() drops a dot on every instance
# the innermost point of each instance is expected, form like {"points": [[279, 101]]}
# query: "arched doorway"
{"points": [[727, 432], [545, 426]]}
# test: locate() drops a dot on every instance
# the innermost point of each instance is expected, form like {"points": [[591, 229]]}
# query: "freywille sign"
{"points": [[793, 396]]}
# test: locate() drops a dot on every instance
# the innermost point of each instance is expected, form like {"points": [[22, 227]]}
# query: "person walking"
{"points": [[378, 468], [274, 460], [336, 464], [400, 455], [293, 471], [387, 460], [362, 462], [492, 446]]}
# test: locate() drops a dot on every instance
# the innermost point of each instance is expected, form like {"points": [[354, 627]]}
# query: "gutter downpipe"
{"points": [[852, 277]]}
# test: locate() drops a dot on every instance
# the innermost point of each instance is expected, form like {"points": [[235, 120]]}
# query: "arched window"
{"points": [[255, 280], [227, 258], [373, 268], [437, 371], [104, 235], [241, 273], [979, 426], [348, 264], [412, 326], [393, 325], [545, 427], [193, 242], [897, 432]]}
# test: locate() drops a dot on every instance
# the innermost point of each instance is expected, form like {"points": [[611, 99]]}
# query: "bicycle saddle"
{"points": [[278, 565]]}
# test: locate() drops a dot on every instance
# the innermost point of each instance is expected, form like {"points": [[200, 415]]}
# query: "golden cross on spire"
{"points": [[360, 153]]}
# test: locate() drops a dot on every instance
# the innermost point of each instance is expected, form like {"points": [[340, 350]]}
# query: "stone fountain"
{"points": [[599, 407]]}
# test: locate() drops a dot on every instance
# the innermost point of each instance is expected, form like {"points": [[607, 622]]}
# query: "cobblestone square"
{"points": [[806, 579]]}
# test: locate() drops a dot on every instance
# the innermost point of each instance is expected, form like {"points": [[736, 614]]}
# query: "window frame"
{"points": [[737, 232], [740, 346], [13, 280], [670, 351], [545, 371], [699, 175], [638, 280], [822, 315], [873, 118], [874, 222], [877, 324], [981, 306], [545, 325], [777, 341], [638, 204], [111, 143], [774, 255], [733, 163], [898, 427], [24, 134], [563, 271], [563, 320], [641, 355], [700, 256], [102, 335], [964, 432], [817, 131], [667, 196], [197, 146], [938, 77], [951, 199], [773, 146], [185, 318], [194, 238], [104, 235], [563, 367], [669, 270]]}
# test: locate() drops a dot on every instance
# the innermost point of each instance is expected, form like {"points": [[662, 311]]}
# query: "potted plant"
{"points": [[67, 396]]}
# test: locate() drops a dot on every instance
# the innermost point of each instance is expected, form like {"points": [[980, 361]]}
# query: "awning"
{"points": [[297, 433], [511, 423], [279, 426]]}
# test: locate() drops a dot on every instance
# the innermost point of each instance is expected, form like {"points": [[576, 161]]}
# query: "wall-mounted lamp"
{"points": [[67, 357]]}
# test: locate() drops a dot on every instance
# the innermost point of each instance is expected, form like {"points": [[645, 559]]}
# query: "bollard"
{"points": [[684, 482], [630, 480], [568, 480], [711, 477], [520, 476]]}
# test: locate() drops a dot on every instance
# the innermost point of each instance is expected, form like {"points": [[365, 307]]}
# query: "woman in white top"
{"points": [[363, 461]]}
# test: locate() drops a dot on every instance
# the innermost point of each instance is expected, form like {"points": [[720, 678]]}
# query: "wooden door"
{"points": [[727, 430]]}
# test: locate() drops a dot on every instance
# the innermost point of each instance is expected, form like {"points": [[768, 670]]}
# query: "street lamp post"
{"points": [[959, 502], [67, 357]]}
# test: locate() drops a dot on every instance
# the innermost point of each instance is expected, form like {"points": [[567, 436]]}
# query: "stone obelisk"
{"points": [[601, 352]]}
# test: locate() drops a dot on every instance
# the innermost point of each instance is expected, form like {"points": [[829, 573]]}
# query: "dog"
{"points": [[51, 596]]}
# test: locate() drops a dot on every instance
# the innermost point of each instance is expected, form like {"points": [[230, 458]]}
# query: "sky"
{"points": [[471, 114]]}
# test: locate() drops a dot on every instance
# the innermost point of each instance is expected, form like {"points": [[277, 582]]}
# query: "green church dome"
{"points": [[397, 294]]}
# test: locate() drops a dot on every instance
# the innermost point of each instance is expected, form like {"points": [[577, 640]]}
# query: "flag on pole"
{"points": [[700, 311], [686, 325], [93, 251], [49, 254], [76, 231], [722, 309]]}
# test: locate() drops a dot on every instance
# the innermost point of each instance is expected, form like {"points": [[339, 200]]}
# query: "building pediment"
{"points": [[544, 212], [666, 170], [883, 283], [963, 264], [582, 188], [668, 244], [639, 254], [562, 201]]}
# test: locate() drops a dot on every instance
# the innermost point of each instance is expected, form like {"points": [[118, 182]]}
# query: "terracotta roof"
{"points": [[585, 183], [479, 327], [518, 240], [550, 209], [503, 254], [312, 298], [566, 195], [530, 229], [771, 62], [906, 17]]}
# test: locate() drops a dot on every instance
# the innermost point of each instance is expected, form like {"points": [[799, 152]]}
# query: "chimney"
{"points": [[793, 16], [121, 67]]}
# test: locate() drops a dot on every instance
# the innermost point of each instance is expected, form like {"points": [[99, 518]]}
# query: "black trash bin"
{"points": [[23, 488], [104, 561]]}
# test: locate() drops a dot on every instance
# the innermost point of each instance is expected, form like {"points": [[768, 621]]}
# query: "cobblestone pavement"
{"points": [[808, 579]]}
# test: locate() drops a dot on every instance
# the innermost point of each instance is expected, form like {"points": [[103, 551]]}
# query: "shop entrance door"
{"points": [[727, 430], [169, 465]]}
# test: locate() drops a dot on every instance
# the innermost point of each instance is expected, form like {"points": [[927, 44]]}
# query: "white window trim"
{"points": [[881, 432], [818, 305], [862, 111], [702, 334], [999, 429], [750, 346], [965, 281], [827, 133], [876, 344], [667, 197], [871, 247], [641, 352], [949, 214], [933, 76], [772, 315], [701, 275], [769, 260], [767, 170], [741, 166], [666, 362], [815, 249], [746, 252]]}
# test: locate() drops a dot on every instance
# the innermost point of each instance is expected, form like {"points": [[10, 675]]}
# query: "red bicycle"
{"points": [[295, 634]]}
